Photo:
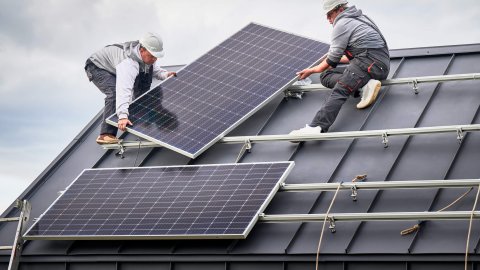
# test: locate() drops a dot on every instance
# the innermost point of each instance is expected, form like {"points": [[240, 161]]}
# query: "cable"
{"points": [[324, 223], [454, 202], [138, 151], [470, 228], [416, 227]]}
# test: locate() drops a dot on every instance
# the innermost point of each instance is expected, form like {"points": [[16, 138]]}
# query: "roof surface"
{"points": [[360, 245]]}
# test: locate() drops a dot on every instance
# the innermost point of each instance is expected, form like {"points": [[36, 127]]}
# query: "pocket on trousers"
{"points": [[352, 79], [376, 71]]}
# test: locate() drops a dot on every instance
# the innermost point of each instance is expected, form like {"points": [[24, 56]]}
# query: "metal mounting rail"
{"points": [[459, 129], [9, 219], [413, 184], [411, 80], [384, 134], [385, 216]]}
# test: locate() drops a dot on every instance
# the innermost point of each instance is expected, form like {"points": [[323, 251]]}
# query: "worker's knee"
{"points": [[329, 78]]}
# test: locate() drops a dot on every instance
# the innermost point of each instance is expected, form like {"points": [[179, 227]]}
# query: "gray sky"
{"points": [[46, 99]]}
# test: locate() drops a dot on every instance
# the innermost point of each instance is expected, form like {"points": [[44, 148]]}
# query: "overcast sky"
{"points": [[46, 99]]}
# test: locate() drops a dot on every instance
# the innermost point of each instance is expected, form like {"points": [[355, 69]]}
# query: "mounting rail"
{"points": [[382, 216], [412, 80], [408, 184], [385, 216], [383, 134]]}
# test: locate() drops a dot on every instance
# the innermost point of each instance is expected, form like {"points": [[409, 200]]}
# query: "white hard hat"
{"points": [[153, 43], [329, 5]]}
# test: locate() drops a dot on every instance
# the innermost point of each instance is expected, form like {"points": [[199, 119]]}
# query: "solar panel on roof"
{"points": [[174, 202], [222, 88]]}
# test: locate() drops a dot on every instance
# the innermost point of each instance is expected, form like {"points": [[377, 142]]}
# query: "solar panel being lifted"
{"points": [[173, 202], [222, 88]]}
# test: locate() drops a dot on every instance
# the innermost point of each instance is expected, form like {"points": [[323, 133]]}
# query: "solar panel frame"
{"points": [[235, 124], [245, 233]]}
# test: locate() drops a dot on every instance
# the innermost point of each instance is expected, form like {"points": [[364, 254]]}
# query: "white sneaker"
{"points": [[369, 93], [307, 130]]}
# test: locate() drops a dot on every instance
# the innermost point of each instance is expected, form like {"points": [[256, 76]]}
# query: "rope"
{"points": [[324, 223], [359, 177], [416, 227], [410, 230], [470, 228], [454, 202], [138, 151]]}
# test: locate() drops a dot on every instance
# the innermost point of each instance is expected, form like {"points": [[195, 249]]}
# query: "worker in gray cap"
{"points": [[123, 72], [356, 41]]}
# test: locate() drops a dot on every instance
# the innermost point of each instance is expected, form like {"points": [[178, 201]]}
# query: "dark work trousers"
{"points": [[345, 82], [105, 82]]}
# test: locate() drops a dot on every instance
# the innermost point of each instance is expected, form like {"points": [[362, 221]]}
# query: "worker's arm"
{"points": [[320, 68], [161, 73], [127, 71], [344, 60], [316, 69]]}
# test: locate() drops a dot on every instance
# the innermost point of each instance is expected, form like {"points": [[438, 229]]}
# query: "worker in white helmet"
{"points": [[356, 41], [123, 72]]}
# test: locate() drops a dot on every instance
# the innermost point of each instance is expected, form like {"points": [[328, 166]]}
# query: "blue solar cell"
{"points": [[207, 201], [222, 88]]}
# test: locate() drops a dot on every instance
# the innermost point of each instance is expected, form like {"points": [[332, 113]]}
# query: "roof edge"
{"points": [[436, 50], [246, 258]]}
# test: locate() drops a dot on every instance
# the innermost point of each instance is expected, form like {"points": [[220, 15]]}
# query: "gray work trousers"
{"points": [[345, 82], [105, 82]]}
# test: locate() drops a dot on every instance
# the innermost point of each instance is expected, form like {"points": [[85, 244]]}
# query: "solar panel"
{"points": [[218, 91], [173, 202]]}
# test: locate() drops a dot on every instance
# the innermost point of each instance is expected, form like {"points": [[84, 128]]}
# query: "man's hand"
{"points": [[122, 124], [305, 73], [317, 69], [171, 73]]}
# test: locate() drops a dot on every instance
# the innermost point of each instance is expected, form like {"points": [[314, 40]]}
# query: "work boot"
{"points": [[107, 139], [307, 130], [369, 93]]}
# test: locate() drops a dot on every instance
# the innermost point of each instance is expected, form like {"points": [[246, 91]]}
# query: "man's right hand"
{"points": [[122, 124], [305, 73]]}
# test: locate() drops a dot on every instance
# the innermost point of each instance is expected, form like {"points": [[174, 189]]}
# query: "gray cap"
{"points": [[153, 43]]}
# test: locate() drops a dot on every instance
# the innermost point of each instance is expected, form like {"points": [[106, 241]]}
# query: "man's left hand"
{"points": [[171, 73]]}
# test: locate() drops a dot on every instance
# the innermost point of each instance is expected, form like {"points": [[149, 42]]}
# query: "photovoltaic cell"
{"points": [[174, 202], [222, 88]]}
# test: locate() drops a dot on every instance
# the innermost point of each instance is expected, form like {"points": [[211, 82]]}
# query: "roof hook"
{"points": [[460, 135], [332, 225], [357, 178], [385, 139], [247, 147], [415, 86], [294, 94], [354, 192], [121, 150]]}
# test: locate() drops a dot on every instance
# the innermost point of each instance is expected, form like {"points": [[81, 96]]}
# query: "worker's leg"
{"points": [[330, 77], [347, 83], [105, 82]]}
